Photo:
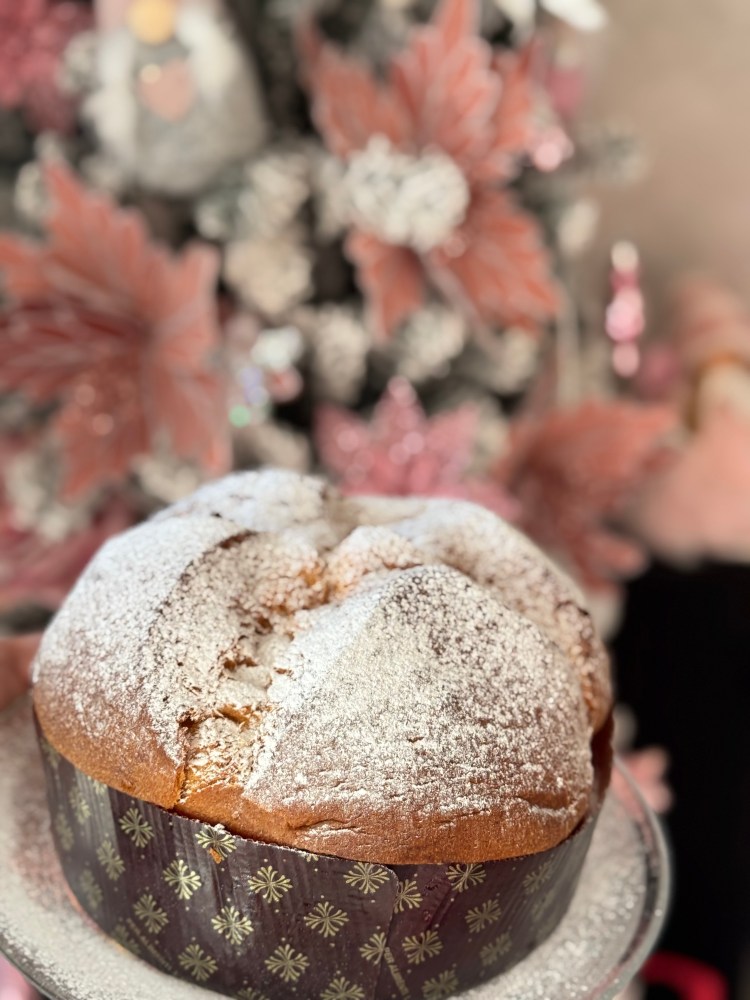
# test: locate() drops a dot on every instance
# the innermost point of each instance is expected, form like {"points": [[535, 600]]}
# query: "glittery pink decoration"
{"points": [[446, 91], [625, 319], [572, 471], [116, 331], [401, 452], [33, 36]]}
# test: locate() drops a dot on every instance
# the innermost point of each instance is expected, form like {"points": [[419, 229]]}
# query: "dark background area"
{"points": [[683, 665]]}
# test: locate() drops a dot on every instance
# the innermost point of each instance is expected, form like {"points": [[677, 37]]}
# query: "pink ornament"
{"points": [[625, 318]]}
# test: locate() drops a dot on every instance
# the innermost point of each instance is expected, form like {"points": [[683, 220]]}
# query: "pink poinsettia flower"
{"points": [[429, 152], [401, 452], [118, 333], [573, 471], [33, 37]]}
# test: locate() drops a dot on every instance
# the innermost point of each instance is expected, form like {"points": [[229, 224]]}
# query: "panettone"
{"points": [[381, 680]]}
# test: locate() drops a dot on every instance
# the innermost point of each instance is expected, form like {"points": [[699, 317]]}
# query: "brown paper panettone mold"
{"points": [[262, 922], [393, 705]]}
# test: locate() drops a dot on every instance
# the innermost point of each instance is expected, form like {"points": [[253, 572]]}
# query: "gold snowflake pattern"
{"points": [[90, 890], [79, 805], [53, 757], [197, 962], [217, 841], [270, 884], [366, 877], [326, 920], [150, 914], [309, 858], [182, 879], [342, 989], [110, 860], [122, 936], [492, 953], [287, 963], [374, 949], [534, 881], [463, 877], [64, 831], [479, 918], [248, 993], [444, 985], [135, 826], [98, 788], [420, 947], [408, 896], [232, 924]]}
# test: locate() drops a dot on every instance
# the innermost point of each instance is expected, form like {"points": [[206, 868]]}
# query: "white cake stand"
{"points": [[612, 924]]}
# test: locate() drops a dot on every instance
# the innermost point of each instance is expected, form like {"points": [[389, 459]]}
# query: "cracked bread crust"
{"points": [[386, 680]]}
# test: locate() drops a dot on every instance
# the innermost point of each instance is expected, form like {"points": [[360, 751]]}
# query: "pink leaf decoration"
{"points": [[391, 277], [496, 265], [573, 471], [118, 332], [401, 452], [349, 104], [514, 129], [444, 79]]}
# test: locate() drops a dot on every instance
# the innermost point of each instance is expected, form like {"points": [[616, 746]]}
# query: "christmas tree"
{"points": [[330, 236]]}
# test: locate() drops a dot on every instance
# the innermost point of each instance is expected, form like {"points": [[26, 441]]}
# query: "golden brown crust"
{"points": [[389, 681]]}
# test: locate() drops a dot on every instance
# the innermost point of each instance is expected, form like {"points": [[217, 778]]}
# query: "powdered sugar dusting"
{"points": [[409, 716], [344, 665]]}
